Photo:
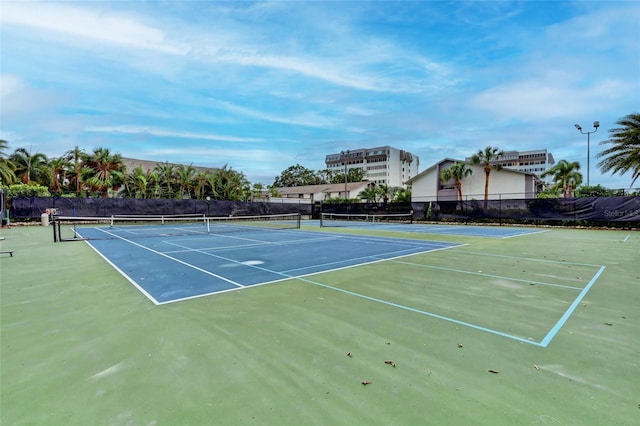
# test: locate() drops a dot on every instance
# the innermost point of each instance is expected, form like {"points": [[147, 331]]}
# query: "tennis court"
{"points": [[280, 325], [404, 223], [176, 259], [169, 263]]}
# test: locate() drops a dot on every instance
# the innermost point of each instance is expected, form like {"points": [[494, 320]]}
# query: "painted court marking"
{"points": [[404, 249], [165, 289]]}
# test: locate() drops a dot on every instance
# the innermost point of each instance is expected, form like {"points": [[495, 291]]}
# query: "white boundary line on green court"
{"points": [[564, 262]]}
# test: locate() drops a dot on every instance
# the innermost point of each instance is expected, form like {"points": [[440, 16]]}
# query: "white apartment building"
{"points": [[381, 165]]}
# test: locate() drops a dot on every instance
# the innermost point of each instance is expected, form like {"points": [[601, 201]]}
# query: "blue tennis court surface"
{"points": [[169, 268]]}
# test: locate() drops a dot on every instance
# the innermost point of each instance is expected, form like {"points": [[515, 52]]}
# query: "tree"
{"points": [[457, 172], [324, 176], [485, 158], [565, 176], [402, 196], [227, 184], [296, 176], [75, 157], [167, 177], [256, 190], [185, 176], [369, 194], [58, 168], [7, 168], [103, 171], [136, 183], [624, 154], [355, 174], [30, 167], [200, 183]]}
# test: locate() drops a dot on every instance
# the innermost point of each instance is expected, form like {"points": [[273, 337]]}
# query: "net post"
{"points": [[55, 236], [321, 219], [299, 220]]}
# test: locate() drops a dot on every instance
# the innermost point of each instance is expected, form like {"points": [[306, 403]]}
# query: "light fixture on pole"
{"points": [[596, 124], [344, 155]]}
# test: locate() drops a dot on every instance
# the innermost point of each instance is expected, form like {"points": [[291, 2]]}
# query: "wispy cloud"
{"points": [[180, 80], [151, 131], [81, 22]]}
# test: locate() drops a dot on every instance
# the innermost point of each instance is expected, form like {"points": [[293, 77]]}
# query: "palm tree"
{"points": [[457, 172], [167, 174], [624, 155], [7, 168], [200, 182], [75, 156], [256, 190], [58, 168], [565, 176], [153, 184], [136, 183], [324, 176], [369, 194], [485, 159], [30, 167], [185, 176], [402, 196], [103, 171]]}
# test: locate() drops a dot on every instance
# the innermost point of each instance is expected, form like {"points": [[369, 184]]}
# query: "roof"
{"points": [[328, 187], [452, 160]]}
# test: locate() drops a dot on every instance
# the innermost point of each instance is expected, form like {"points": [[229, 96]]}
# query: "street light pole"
{"points": [[344, 160], [596, 124]]}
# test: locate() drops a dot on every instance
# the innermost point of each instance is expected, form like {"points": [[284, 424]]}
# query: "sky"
{"points": [[261, 86]]}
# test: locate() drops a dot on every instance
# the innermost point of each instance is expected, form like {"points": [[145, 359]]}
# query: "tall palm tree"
{"points": [[485, 158], [30, 167], [457, 172], [103, 171], [154, 189], [136, 183], [200, 183], [230, 185], [167, 174], [75, 156], [624, 155], [256, 190], [58, 168], [185, 176], [7, 168], [565, 176]]}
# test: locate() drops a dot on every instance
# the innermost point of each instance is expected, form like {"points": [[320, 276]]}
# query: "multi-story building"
{"points": [[535, 162], [381, 165]]}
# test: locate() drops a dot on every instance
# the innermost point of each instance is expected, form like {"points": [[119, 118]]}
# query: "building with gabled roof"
{"points": [[503, 184]]}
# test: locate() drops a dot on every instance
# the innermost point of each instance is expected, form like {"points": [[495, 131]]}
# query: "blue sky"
{"points": [[261, 86]]}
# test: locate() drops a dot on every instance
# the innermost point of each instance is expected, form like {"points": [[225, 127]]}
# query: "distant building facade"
{"points": [[148, 166], [381, 165], [535, 162], [322, 192]]}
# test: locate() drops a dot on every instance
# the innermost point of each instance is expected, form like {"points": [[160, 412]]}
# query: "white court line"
{"points": [[243, 246], [441, 268], [477, 253], [173, 258]]}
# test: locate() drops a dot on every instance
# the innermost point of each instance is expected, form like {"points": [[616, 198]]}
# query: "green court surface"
{"points": [[539, 329]]}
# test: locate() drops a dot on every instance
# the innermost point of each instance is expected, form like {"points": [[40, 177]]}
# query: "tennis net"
{"points": [[72, 228], [343, 219]]}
